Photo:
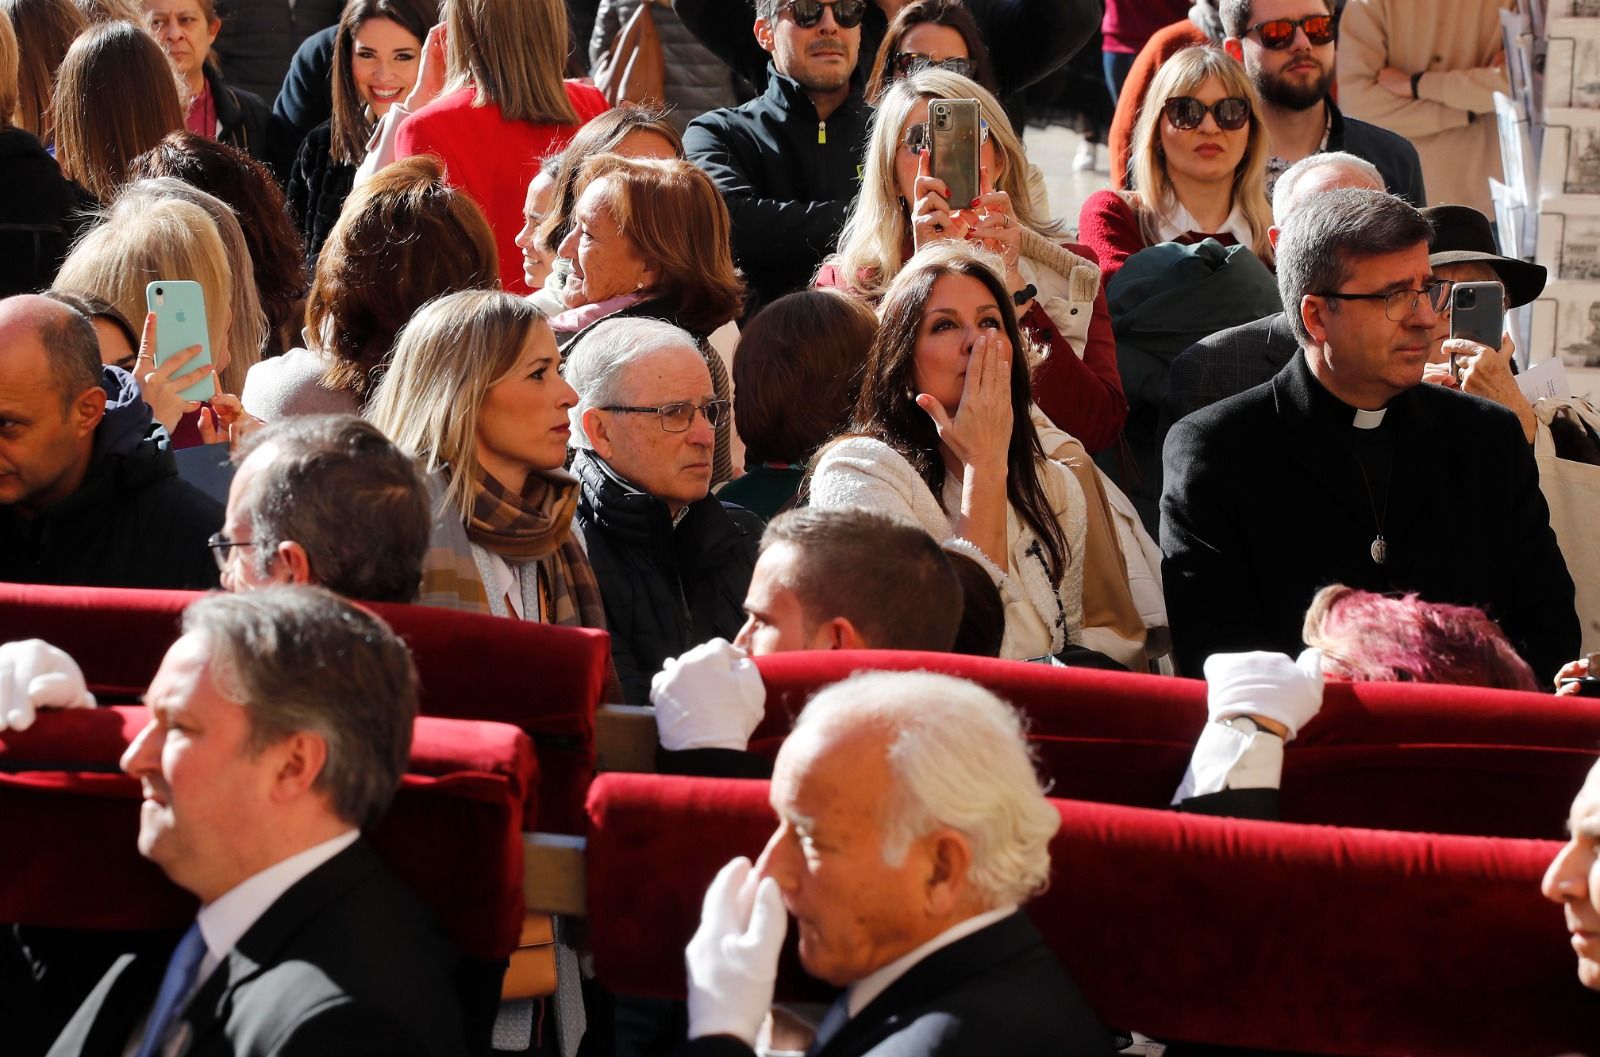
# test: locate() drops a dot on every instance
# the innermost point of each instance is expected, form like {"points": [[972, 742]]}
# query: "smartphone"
{"points": [[180, 309], [953, 126], [1477, 313]]}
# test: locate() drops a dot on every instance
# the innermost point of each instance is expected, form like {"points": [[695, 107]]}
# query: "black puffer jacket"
{"points": [[666, 587], [788, 179], [318, 186], [131, 523]]}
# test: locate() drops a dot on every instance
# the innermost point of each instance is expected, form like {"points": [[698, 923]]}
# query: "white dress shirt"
{"points": [[1181, 222]]}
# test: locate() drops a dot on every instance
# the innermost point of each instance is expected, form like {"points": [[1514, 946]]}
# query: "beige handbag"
{"points": [[633, 69], [1572, 490]]}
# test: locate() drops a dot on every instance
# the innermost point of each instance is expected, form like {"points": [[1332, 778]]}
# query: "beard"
{"points": [[1280, 90]]}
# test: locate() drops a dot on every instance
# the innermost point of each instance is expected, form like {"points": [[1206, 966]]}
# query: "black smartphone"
{"points": [[1477, 313]]}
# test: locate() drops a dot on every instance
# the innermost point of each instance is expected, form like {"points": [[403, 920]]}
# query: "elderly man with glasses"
{"points": [[1345, 468], [672, 561]]}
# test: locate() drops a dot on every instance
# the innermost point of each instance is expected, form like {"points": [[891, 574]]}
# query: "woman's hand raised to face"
{"points": [[932, 219], [980, 432]]}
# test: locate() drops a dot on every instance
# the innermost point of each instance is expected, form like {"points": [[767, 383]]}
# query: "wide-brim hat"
{"points": [[1461, 234]]}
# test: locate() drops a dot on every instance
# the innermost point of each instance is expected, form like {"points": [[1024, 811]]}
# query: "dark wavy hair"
{"points": [[349, 127], [951, 13], [887, 407]]}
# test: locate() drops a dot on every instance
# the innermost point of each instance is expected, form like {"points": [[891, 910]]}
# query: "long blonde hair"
{"points": [[879, 226], [1153, 194], [445, 361], [140, 242], [247, 325], [514, 52]]}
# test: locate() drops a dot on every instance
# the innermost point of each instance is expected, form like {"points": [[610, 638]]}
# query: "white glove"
{"points": [[733, 957], [34, 675], [710, 698], [1265, 684]]}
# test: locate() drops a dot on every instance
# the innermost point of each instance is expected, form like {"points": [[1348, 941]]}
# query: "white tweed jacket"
{"points": [[1040, 618]]}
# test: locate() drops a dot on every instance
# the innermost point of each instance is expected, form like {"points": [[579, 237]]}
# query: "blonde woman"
{"points": [[1199, 166], [247, 320], [1055, 286], [143, 239], [495, 67], [474, 393]]}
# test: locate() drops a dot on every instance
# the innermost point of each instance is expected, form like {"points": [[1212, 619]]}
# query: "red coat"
{"points": [[493, 159]]}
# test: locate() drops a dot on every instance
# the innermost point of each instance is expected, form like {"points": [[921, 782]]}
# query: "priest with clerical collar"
{"points": [[1345, 468]]}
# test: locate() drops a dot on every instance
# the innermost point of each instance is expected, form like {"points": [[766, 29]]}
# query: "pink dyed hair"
{"points": [[1366, 637]]}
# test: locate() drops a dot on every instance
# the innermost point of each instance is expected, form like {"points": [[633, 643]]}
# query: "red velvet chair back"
{"points": [[69, 821], [1273, 935], [547, 680], [1442, 759]]}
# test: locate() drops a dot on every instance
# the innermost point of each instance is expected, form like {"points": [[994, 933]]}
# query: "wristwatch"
{"points": [[1026, 294], [1244, 725]]}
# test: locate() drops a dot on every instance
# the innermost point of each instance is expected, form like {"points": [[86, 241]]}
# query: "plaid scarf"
{"points": [[533, 526]]}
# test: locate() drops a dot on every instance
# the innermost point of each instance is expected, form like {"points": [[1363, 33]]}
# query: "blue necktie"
{"points": [[835, 1019], [175, 987]]}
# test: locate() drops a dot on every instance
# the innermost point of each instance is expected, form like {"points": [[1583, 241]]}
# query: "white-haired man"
{"points": [[672, 560], [911, 827]]}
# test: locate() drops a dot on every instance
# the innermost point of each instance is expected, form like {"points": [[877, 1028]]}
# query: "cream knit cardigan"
{"points": [[1040, 619]]}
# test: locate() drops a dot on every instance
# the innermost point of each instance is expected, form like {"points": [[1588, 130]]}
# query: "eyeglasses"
{"points": [[909, 62], [678, 416], [916, 137], [807, 13], [1186, 112], [1399, 305], [220, 545], [1278, 33]]}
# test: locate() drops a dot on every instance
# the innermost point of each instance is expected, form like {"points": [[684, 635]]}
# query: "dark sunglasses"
{"points": [[916, 136], [1186, 112], [1279, 32], [807, 13], [909, 62]]}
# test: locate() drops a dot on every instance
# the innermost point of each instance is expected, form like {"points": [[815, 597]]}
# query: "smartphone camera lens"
{"points": [[1467, 298]]}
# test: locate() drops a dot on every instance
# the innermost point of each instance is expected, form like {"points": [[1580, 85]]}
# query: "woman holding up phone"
{"points": [[1463, 251], [1054, 286]]}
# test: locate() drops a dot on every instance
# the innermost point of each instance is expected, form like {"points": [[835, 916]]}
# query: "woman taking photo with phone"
{"points": [[475, 394], [1199, 169], [941, 435], [1054, 286]]}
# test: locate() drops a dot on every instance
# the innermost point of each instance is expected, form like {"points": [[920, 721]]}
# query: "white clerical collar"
{"points": [[225, 920], [1180, 222], [1369, 419], [864, 990]]}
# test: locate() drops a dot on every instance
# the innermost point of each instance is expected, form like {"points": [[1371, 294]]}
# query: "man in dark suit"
{"points": [[905, 895], [1345, 468], [280, 723]]}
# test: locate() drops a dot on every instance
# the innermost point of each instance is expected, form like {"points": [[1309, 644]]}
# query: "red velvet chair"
{"points": [[546, 680], [1442, 759], [69, 819], [1261, 934]]}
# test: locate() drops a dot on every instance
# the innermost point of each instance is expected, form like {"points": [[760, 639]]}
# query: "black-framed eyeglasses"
{"points": [[676, 417], [916, 136], [807, 13], [1400, 304], [906, 63], [220, 546], [1278, 33], [1186, 112]]}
